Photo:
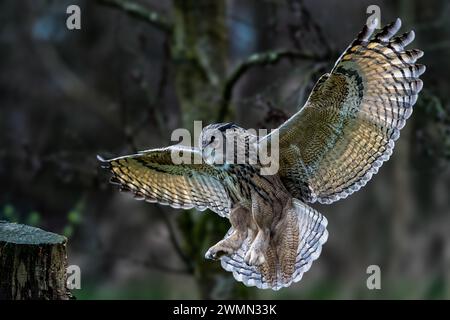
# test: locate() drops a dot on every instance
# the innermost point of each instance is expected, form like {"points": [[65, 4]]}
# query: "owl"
{"points": [[328, 150]]}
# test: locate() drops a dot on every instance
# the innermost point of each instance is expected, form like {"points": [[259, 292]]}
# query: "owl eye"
{"points": [[212, 139]]}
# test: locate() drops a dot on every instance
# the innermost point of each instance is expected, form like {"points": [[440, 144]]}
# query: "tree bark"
{"points": [[32, 264], [199, 52]]}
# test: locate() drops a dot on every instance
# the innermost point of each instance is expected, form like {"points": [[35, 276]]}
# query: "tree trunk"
{"points": [[32, 264], [199, 54]]}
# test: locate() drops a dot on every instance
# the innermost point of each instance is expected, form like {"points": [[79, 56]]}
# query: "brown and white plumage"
{"points": [[327, 150], [152, 176], [304, 230], [349, 124]]}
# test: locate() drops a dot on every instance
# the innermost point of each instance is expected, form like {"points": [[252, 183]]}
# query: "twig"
{"points": [[149, 263], [259, 59], [303, 16], [175, 241], [136, 10], [123, 106]]}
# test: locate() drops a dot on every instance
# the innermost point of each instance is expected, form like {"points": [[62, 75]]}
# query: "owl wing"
{"points": [[153, 176], [349, 124]]}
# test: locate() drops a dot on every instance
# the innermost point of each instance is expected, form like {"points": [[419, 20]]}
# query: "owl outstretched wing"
{"points": [[349, 124], [153, 176]]}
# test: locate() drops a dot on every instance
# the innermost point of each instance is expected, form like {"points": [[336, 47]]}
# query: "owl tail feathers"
{"points": [[289, 255], [313, 234]]}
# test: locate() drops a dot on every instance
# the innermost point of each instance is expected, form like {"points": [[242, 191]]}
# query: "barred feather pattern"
{"points": [[328, 150], [288, 257], [152, 176], [348, 127]]}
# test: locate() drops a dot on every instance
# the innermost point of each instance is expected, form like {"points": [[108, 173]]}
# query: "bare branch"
{"points": [[174, 240], [137, 11], [151, 263], [304, 20], [259, 59]]}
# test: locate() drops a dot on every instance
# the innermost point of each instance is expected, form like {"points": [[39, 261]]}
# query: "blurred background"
{"points": [[137, 70]]}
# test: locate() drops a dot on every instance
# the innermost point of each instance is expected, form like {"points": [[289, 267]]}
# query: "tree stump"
{"points": [[32, 264]]}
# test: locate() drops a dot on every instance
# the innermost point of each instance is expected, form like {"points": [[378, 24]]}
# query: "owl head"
{"points": [[214, 140]]}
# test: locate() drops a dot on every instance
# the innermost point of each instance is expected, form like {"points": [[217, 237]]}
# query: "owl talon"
{"points": [[254, 257], [215, 252]]}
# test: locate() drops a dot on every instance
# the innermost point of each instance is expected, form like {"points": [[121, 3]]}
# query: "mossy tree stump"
{"points": [[32, 263]]}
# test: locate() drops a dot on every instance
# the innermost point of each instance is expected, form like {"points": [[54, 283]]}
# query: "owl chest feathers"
{"points": [[245, 181]]}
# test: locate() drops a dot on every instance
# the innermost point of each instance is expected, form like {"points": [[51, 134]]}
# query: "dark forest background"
{"points": [[139, 69]]}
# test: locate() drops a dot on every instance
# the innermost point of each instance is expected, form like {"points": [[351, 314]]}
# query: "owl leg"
{"points": [[240, 219], [262, 216]]}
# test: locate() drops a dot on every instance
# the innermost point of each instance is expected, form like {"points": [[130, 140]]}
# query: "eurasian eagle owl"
{"points": [[329, 149]]}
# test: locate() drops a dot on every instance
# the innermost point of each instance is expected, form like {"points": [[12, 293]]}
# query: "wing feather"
{"points": [[348, 126], [152, 176]]}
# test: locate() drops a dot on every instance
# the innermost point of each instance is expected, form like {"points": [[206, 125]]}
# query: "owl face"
{"points": [[213, 141]]}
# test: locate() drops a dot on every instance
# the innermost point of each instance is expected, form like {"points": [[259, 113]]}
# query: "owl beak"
{"points": [[208, 155], [206, 151]]}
